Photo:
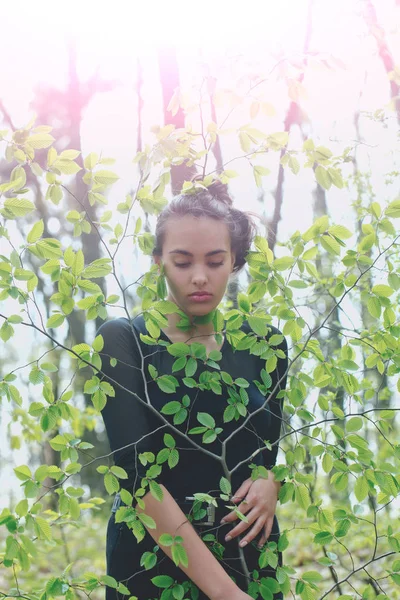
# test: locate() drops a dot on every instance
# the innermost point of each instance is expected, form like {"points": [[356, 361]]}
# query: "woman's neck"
{"points": [[195, 332]]}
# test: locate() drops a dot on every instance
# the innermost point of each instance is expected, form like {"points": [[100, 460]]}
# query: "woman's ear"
{"points": [[233, 259]]}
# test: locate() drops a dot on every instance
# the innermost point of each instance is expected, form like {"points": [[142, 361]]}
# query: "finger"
{"points": [[242, 526], [232, 516], [244, 507], [255, 530], [242, 491], [266, 533]]}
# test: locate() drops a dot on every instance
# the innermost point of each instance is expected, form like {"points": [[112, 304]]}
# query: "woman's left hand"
{"points": [[258, 500]]}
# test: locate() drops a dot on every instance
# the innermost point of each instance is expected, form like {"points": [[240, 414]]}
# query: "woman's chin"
{"points": [[199, 311]]}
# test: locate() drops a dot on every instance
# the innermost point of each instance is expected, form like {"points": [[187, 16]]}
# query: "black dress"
{"points": [[127, 420]]}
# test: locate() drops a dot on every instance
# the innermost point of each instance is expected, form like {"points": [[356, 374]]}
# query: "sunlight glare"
{"points": [[149, 24]]}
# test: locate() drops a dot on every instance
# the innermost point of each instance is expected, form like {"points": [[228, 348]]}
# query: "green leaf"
{"points": [[374, 307], [156, 490], [163, 456], [6, 331], [215, 355], [36, 232], [48, 248], [393, 209], [178, 349], [241, 382], [44, 529], [166, 384], [330, 244], [197, 430], [98, 343], [22, 508], [209, 436], [206, 420], [105, 177], [340, 232], [99, 400], [36, 376], [169, 441], [191, 367], [78, 264], [40, 140], [147, 520], [23, 472], [225, 486], [109, 581], [162, 581], [382, 290], [98, 268], [19, 207], [312, 576], [327, 463], [166, 539], [258, 325], [181, 555], [171, 408], [12, 548], [354, 424], [361, 488], [324, 537], [119, 472], [323, 177], [111, 483], [173, 458], [180, 416], [55, 320], [50, 367], [91, 161], [122, 589], [302, 496], [179, 364], [284, 263]]}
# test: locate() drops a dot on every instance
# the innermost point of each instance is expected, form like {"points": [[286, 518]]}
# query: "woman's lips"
{"points": [[201, 297]]}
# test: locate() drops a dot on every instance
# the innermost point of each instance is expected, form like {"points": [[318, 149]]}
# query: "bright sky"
{"points": [[111, 36]]}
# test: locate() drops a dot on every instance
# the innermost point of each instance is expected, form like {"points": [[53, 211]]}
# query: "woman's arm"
{"points": [[203, 568]]}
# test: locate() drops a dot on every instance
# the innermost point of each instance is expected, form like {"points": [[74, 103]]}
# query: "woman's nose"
{"points": [[199, 277]]}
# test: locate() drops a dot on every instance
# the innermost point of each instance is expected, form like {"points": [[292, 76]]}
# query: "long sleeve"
{"points": [[126, 419]]}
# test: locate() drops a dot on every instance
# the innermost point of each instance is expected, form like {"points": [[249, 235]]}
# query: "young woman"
{"points": [[200, 240]]}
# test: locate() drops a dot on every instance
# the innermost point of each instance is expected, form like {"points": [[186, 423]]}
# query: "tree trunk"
{"points": [[378, 33], [293, 117], [169, 78]]}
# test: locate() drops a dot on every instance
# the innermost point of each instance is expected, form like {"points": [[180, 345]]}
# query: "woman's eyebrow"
{"points": [[187, 253]]}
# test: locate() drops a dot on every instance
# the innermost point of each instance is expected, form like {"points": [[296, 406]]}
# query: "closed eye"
{"points": [[212, 264]]}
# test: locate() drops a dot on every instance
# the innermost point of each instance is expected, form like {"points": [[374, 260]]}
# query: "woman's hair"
{"points": [[215, 203]]}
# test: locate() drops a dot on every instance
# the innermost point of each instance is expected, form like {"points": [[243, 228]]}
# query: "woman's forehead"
{"points": [[200, 233]]}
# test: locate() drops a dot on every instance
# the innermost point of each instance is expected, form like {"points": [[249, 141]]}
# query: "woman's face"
{"points": [[197, 262]]}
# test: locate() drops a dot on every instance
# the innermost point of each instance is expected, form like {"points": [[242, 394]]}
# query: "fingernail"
{"points": [[228, 538], [242, 544], [223, 521]]}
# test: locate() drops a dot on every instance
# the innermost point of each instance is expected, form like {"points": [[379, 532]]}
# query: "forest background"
{"points": [[258, 86]]}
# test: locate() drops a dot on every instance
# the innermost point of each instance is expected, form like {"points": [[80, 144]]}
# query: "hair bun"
{"points": [[219, 191]]}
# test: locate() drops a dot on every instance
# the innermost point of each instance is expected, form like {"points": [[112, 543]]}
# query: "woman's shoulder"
{"points": [[121, 327], [114, 326]]}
